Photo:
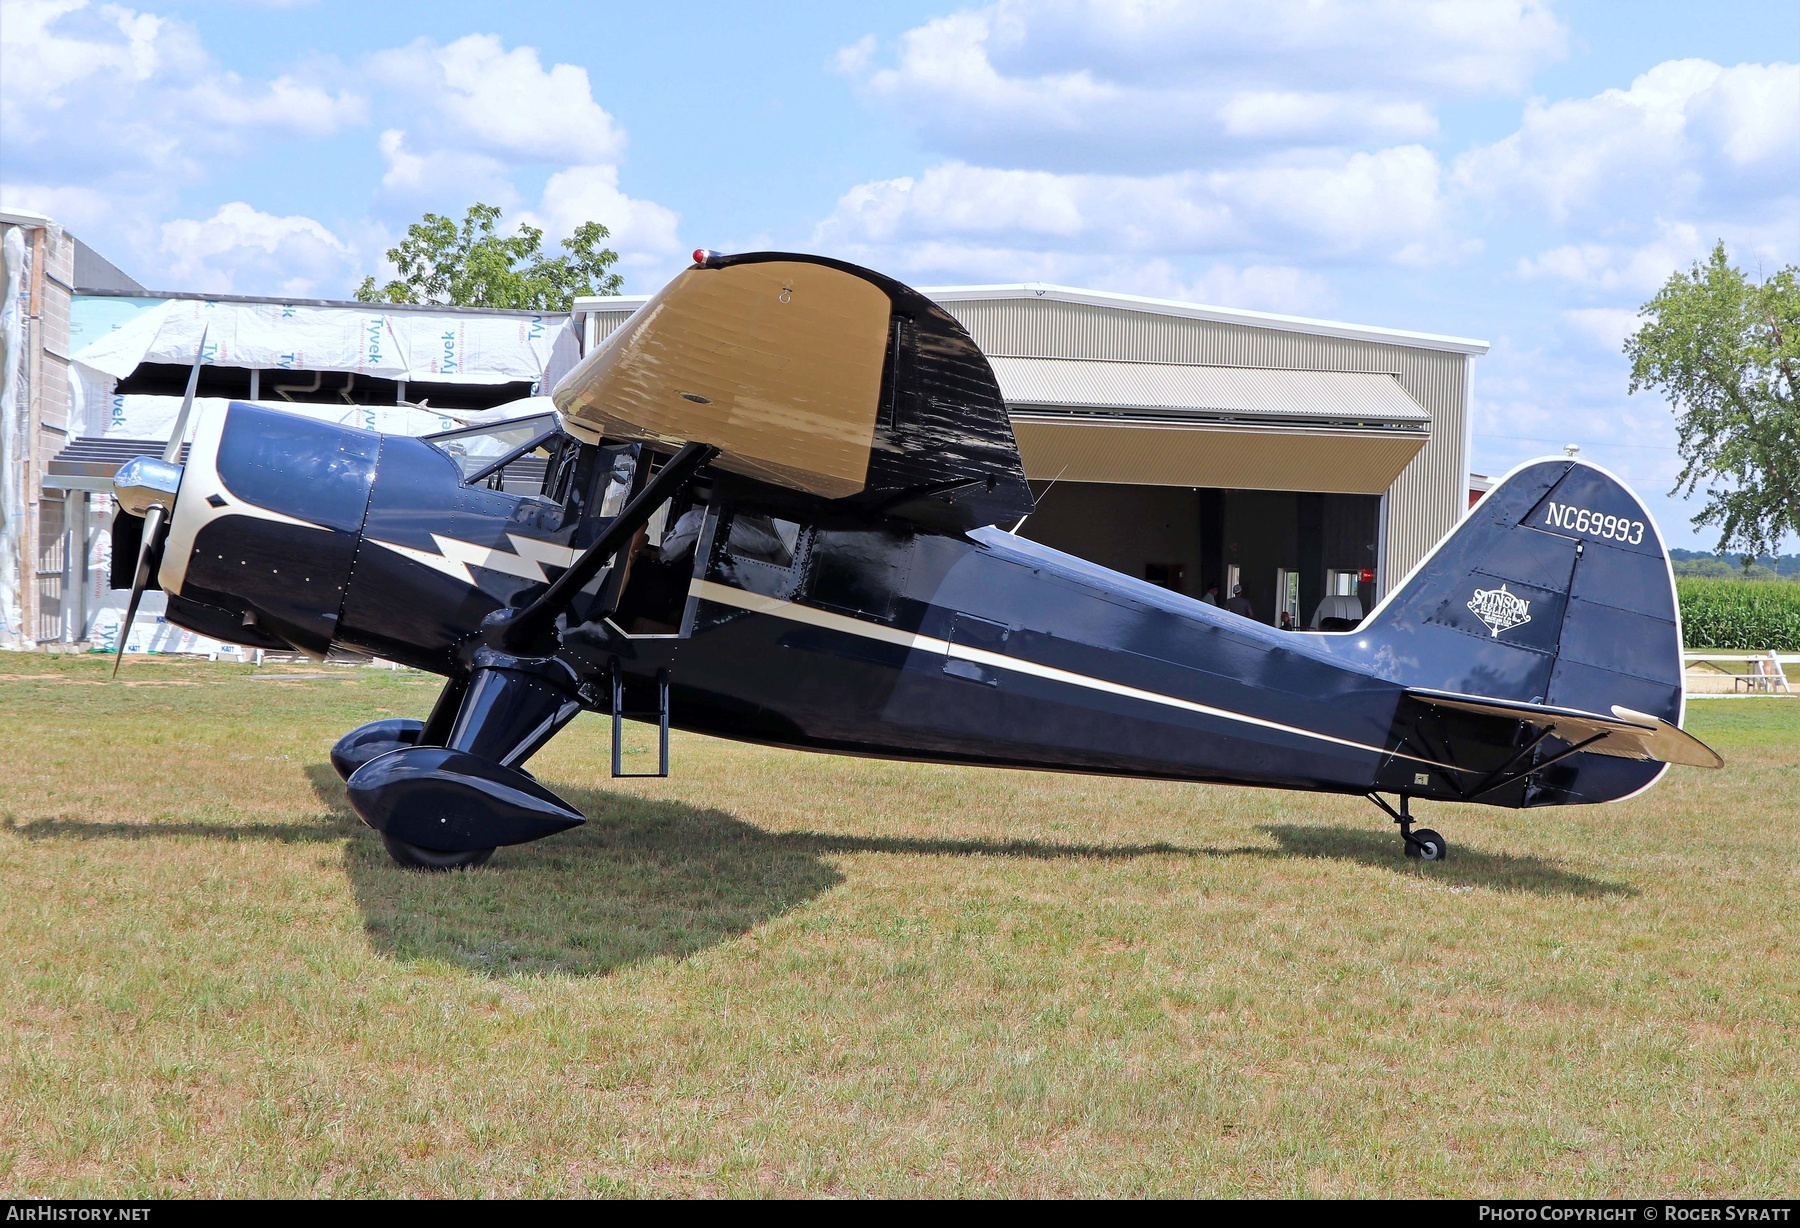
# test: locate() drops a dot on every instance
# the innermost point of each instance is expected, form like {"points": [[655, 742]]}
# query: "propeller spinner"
{"points": [[146, 486]]}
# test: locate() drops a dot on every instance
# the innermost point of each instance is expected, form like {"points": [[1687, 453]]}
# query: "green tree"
{"points": [[475, 266], [1707, 568], [1724, 350]]}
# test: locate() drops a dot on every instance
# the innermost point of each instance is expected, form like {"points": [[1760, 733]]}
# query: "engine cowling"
{"points": [[268, 519]]}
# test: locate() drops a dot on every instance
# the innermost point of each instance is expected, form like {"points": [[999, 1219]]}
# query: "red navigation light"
{"points": [[1367, 575], [703, 254]]}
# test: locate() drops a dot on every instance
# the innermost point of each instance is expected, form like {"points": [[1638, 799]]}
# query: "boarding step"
{"points": [[619, 713]]}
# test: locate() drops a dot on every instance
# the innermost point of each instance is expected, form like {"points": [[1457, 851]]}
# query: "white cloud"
{"points": [[1384, 206], [644, 233], [1636, 269], [74, 207], [442, 174], [112, 116], [46, 61], [1604, 327], [1262, 135], [1254, 154], [240, 249], [853, 61], [474, 94], [473, 112], [1301, 116], [286, 104], [1386, 202], [1122, 85], [1687, 136], [1260, 287], [123, 94], [1459, 47], [1640, 181]]}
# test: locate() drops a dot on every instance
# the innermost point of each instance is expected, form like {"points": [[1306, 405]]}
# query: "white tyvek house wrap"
{"points": [[410, 345], [153, 417], [13, 416], [416, 346]]}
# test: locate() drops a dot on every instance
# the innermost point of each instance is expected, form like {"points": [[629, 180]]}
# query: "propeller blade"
{"points": [[153, 527], [172, 452], [156, 517]]}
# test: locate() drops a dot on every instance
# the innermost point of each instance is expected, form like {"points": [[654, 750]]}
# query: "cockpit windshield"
{"points": [[478, 448]]}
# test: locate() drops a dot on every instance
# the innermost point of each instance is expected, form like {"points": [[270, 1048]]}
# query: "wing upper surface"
{"points": [[815, 375]]}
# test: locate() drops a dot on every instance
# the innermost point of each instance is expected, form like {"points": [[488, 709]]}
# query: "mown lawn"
{"points": [[789, 974]]}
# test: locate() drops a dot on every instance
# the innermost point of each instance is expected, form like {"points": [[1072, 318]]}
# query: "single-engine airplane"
{"points": [[768, 511]]}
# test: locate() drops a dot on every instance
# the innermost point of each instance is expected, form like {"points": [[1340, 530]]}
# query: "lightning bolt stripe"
{"points": [[547, 553], [454, 557]]}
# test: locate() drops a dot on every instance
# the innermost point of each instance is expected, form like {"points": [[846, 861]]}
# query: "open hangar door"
{"points": [[1190, 476], [1289, 549]]}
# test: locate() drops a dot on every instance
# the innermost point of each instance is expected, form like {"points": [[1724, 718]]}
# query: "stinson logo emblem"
{"points": [[1499, 609]]}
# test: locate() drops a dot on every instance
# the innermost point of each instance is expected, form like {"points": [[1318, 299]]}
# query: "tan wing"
{"points": [[777, 363]]}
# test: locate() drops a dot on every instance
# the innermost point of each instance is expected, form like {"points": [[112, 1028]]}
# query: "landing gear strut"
{"points": [[446, 805], [1421, 845]]}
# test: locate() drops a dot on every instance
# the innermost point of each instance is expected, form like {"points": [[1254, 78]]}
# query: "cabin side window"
{"points": [[648, 586], [569, 471], [619, 467], [760, 553]]}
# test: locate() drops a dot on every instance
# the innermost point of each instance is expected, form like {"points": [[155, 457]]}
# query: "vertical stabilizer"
{"points": [[1555, 591]]}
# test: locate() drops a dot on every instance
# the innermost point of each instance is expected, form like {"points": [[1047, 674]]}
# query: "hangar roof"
{"points": [[1151, 306], [1199, 311]]}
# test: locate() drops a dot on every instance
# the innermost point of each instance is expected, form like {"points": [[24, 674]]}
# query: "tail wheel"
{"points": [[412, 857], [1427, 845]]}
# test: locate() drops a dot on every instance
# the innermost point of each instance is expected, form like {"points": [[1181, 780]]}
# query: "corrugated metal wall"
{"points": [[606, 321], [1425, 501]]}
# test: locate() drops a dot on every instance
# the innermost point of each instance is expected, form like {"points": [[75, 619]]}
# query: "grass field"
{"points": [[790, 974]]}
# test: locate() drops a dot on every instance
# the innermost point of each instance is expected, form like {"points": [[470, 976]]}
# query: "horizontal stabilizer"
{"points": [[1623, 735]]}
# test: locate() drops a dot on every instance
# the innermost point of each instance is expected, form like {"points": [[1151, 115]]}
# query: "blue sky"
{"points": [[1526, 172]]}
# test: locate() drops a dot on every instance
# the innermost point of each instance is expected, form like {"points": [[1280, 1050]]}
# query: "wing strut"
{"points": [[517, 631]]}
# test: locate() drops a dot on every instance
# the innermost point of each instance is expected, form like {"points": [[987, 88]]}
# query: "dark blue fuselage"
{"points": [[791, 624], [1000, 651]]}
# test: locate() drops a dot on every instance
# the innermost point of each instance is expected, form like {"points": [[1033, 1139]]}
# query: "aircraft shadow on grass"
{"points": [[648, 879], [1467, 867]]}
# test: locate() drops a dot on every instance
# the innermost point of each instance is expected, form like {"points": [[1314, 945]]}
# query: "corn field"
{"points": [[1742, 615]]}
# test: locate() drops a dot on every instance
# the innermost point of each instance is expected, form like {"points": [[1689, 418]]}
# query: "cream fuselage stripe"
{"points": [[706, 590]]}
